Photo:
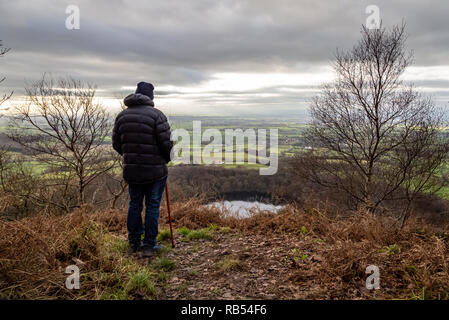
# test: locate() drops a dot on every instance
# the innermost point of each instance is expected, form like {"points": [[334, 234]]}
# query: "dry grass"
{"points": [[347, 245], [34, 252]]}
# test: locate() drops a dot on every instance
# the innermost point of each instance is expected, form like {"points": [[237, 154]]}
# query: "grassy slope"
{"points": [[298, 254]]}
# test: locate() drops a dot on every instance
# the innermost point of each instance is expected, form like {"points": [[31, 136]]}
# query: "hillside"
{"points": [[301, 253]]}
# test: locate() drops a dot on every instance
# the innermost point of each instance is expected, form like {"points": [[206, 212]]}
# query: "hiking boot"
{"points": [[134, 248], [147, 252], [158, 247]]}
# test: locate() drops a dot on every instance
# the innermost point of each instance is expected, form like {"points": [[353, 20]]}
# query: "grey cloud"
{"points": [[176, 42]]}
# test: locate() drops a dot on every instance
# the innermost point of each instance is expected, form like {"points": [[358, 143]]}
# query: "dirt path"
{"points": [[238, 266]]}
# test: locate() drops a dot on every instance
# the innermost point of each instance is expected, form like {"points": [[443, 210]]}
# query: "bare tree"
{"points": [[63, 127], [3, 51], [20, 190], [372, 135], [114, 182]]}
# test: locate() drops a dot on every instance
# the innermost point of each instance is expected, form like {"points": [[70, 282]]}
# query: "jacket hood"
{"points": [[137, 99]]}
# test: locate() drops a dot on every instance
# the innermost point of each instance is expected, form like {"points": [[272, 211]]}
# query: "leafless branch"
{"points": [[372, 135], [62, 126]]}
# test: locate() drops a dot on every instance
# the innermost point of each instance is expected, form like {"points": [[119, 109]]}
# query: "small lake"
{"points": [[243, 209]]}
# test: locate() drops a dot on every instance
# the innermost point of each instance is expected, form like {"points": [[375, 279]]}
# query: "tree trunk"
{"points": [[406, 215]]}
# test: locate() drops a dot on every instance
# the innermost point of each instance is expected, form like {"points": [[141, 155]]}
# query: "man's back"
{"points": [[142, 135]]}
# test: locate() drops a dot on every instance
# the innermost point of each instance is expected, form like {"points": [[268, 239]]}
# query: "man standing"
{"points": [[142, 135]]}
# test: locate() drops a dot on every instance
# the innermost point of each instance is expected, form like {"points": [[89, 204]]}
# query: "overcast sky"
{"points": [[212, 57]]}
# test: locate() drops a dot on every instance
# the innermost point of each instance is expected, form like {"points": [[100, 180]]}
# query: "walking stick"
{"points": [[169, 216]]}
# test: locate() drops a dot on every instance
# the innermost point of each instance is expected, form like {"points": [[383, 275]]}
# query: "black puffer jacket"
{"points": [[142, 135]]}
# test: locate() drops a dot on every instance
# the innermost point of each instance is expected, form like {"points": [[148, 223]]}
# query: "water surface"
{"points": [[243, 209]]}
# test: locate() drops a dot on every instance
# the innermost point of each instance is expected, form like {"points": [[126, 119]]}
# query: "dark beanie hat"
{"points": [[146, 89]]}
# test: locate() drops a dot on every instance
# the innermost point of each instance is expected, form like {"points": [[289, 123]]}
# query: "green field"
{"points": [[289, 135], [290, 143]]}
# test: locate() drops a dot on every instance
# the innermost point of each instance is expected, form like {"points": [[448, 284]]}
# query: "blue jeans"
{"points": [[153, 195]]}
